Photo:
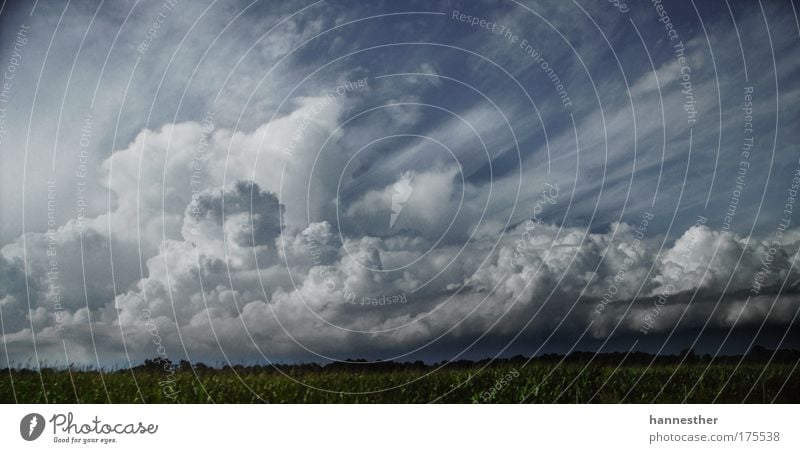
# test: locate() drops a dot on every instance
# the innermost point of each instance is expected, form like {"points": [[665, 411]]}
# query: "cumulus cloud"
{"points": [[303, 293]]}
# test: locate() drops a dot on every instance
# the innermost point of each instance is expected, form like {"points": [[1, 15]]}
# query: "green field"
{"points": [[512, 383]]}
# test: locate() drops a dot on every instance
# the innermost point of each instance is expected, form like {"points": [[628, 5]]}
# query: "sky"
{"points": [[251, 182]]}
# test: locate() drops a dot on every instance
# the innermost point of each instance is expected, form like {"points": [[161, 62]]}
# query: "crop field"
{"points": [[496, 383]]}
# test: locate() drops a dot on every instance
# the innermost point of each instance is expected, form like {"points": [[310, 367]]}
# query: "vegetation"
{"points": [[758, 377]]}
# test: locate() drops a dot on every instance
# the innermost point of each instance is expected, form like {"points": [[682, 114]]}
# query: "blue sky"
{"points": [[229, 169]]}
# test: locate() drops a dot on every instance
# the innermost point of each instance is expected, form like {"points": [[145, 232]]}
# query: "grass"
{"points": [[505, 382]]}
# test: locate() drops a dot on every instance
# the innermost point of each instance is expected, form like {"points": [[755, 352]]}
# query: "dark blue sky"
{"points": [[451, 119]]}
